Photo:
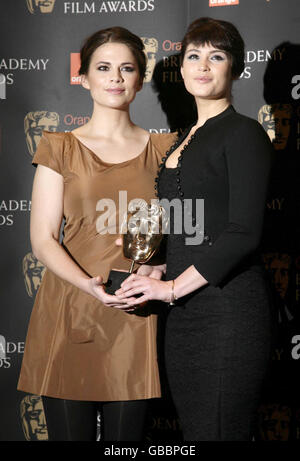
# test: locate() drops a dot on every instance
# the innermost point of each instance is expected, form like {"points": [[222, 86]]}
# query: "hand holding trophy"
{"points": [[142, 231]]}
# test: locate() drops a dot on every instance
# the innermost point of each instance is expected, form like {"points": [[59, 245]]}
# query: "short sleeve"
{"points": [[50, 152]]}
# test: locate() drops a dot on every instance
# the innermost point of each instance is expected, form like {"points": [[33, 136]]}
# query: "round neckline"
{"points": [[109, 163]]}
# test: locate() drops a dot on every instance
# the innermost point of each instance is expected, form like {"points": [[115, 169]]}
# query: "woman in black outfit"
{"points": [[218, 332]]}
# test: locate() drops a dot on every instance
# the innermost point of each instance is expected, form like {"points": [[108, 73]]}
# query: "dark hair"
{"points": [[113, 35], [220, 34]]}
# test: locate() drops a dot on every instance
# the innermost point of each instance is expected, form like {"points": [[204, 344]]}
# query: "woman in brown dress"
{"points": [[84, 352]]}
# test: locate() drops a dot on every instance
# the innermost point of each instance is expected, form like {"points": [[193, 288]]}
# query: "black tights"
{"points": [[73, 420]]}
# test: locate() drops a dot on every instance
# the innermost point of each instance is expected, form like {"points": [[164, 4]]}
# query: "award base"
{"points": [[114, 281]]}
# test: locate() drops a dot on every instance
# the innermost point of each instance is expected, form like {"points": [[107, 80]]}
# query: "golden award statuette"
{"points": [[142, 231]]}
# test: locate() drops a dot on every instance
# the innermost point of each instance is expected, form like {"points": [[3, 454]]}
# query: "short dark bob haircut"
{"points": [[220, 34], [113, 35]]}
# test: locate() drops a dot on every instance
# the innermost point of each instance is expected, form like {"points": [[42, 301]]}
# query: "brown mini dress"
{"points": [[77, 348]]}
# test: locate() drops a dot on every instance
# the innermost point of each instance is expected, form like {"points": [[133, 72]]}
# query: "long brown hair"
{"points": [[113, 35]]}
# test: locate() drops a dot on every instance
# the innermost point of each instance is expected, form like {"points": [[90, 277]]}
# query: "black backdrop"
{"points": [[39, 45]]}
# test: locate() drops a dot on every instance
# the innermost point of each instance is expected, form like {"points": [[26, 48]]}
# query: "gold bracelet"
{"points": [[173, 296]]}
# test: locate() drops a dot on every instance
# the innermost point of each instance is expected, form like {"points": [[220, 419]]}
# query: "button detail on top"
{"points": [[178, 167]]}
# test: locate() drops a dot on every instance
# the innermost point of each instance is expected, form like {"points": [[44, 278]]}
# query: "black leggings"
{"points": [[72, 420]]}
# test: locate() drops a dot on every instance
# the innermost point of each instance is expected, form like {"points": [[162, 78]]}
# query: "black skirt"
{"points": [[217, 345], [217, 350]]}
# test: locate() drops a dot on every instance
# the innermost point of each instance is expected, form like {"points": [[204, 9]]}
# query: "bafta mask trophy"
{"points": [[142, 231]]}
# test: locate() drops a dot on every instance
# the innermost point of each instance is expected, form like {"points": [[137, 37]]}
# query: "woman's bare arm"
{"points": [[45, 222]]}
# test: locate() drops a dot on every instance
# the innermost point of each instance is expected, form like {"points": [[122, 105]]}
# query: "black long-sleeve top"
{"points": [[228, 165]]}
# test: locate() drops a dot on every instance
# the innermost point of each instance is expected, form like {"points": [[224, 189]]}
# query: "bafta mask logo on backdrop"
{"points": [[33, 271], [274, 422], [276, 120], [35, 123], [278, 265], [223, 2], [41, 6], [33, 418], [151, 48]]}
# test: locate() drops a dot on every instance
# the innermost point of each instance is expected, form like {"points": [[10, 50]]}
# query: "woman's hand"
{"points": [[96, 288], [150, 288]]}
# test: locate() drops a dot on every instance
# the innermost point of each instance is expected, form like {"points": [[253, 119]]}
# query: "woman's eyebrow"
{"points": [[107, 62], [211, 51]]}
